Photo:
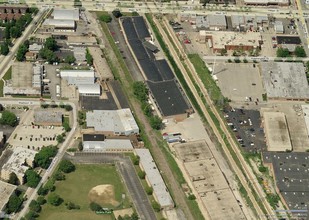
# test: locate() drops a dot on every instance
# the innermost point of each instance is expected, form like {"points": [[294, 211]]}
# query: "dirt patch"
{"points": [[123, 212], [103, 195]]}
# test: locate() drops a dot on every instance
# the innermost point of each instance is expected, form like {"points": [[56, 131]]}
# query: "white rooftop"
{"points": [[154, 177], [66, 14], [16, 161], [89, 89], [108, 145], [119, 121], [60, 23], [78, 77]]}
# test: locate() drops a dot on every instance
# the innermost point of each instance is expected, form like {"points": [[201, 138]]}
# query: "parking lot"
{"points": [[34, 137], [246, 125], [54, 80]]}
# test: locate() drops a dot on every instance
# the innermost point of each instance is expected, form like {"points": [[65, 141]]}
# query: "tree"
{"points": [[20, 56], [95, 207], [34, 206], [80, 146], [59, 176], [149, 190], [8, 118], [135, 159], [156, 206], [5, 48], [49, 55], [32, 178], [31, 215], [51, 44], [42, 191], [191, 197], [14, 203], [262, 169], [89, 58], [60, 138], [66, 166], [156, 122], [300, 52], [69, 59], [66, 126], [71, 205], [134, 216], [141, 174], [43, 158], [140, 91], [116, 13], [106, 18], [283, 52], [41, 200], [68, 108], [15, 32], [13, 179], [54, 199], [146, 107]]}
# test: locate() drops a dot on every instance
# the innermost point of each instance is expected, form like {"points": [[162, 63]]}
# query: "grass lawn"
{"points": [[75, 188], [7, 76]]}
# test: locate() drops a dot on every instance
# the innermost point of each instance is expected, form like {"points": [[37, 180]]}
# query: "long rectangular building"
{"points": [[154, 179], [78, 77]]}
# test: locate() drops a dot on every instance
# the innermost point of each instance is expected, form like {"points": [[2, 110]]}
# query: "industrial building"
{"points": [[165, 90], [276, 131], [219, 41], [48, 117], [248, 22], [56, 25], [285, 81], [211, 22], [79, 54], [290, 171], [25, 80], [112, 122], [100, 144], [19, 162], [66, 14], [81, 40], [6, 190], [78, 77], [154, 179], [279, 27], [89, 90], [267, 2]]}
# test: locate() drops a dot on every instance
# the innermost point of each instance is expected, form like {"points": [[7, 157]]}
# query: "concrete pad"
{"points": [[239, 80]]}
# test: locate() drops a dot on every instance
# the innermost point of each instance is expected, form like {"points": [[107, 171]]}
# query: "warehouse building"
{"points": [[81, 40], [154, 179], [57, 25], [285, 81], [219, 41], [211, 22], [100, 144], [267, 2], [66, 14], [78, 77], [6, 190], [276, 131], [48, 118], [19, 162], [290, 171], [90, 90], [112, 122]]}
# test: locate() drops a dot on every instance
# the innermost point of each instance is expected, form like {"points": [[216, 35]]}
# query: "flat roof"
{"points": [[6, 191], [22, 74], [150, 46], [220, 39], [288, 40], [170, 99], [78, 77], [100, 63], [154, 177], [107, 145], [291, 175], [66, 14], [285, 80], [60, 23], [121, 120], [16, 162], [140, 27], [47, 116], [93, 137], [89, 89], [216, 20], [266, 2], [74, 39], [276, 130], [129, 28]]}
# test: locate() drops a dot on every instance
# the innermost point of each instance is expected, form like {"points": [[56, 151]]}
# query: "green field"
{"points": [[75, 188], [7, 76]]}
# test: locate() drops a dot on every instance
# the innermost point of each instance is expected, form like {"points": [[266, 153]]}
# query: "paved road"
{"points": [[136, 190], [61, 150], [128, 174]]}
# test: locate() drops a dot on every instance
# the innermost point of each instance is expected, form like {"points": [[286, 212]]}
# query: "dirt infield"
{"points": [[103, 195]]}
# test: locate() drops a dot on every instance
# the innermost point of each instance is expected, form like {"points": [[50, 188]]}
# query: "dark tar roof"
{"points": [[138, 49], [291, 172], [170, 99], [150, 46], [151, 70], [164, 69], [93, 137], [141, 27], [129, 28], [288, 40]]}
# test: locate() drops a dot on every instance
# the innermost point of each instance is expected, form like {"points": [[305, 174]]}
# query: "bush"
{"points": [[141, 174], [106, 18], [191, 197], [31, 215], [68, 108], [71, 205], [245, 61], [237, 60], [95, 207], [66, 166], [135, 159], [229, 60], [41, 200], [149, 190], [42, 191], [35, 206], [54, 199], [262, 169], [140, 91], [13, 204], [156, 122], [59, 176], [156, 206], [60, 138], [8, 118]]}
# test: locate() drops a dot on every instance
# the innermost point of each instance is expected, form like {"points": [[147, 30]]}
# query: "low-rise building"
{"points": [[30, 56], [89, 90], [267, 2], [211, 22], [79, 54], [248, 23], [19, 162], [81, 40], [100, 144], [2, 139], [78, 77], [112, 122], [279, 27], [35, 48], [154, 179], [48, 118], [66, 14], [231, 40], [56, 25]]}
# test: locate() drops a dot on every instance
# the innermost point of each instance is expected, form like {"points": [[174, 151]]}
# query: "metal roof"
{"points": [[89, 89], [60, 23], [66, 14]]}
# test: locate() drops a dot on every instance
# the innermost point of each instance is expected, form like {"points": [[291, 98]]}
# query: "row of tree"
{"points": [[298, 52]]}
